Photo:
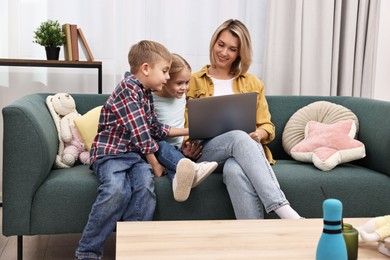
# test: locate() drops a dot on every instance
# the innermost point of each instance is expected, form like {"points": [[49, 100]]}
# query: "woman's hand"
{"points": [[191, 149], [259, 135]]}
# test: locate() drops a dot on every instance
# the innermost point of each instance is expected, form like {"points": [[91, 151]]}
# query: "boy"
{"points": [[122, 154]]}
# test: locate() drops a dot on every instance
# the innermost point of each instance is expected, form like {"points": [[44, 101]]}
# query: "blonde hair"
{"points": [[147, 52], [238, 29], [178, 64]]}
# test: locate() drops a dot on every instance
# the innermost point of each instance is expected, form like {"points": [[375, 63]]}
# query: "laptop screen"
{"points": [[212, 116]]}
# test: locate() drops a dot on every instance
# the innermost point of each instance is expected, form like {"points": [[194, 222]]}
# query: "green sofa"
{"points": [[38, 199]]}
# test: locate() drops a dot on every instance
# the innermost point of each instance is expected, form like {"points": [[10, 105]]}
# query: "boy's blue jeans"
{"points": [[168, 156], [126, 193]]}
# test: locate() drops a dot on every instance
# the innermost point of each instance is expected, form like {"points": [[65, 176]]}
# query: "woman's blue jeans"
{"points": [[248, 176], [126, 193]]}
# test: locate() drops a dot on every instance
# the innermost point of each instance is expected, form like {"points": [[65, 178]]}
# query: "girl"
{"points": [[170, 103]]}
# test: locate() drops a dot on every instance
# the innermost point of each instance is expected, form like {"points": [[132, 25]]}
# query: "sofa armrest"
{"points": [[29, 149]]}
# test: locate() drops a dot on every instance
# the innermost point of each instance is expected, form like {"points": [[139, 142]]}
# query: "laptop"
{"points": [[212, 116]]}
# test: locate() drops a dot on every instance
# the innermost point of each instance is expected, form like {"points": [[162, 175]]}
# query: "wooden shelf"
{"points": [[58, 64]]}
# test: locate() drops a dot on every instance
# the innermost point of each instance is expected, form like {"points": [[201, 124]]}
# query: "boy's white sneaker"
{"points": [[183, 180], [202, 171]]}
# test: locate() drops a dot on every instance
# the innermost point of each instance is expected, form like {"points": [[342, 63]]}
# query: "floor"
{"points": [[47, 247]]}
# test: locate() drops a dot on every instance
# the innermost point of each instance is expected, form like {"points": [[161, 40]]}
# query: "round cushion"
{"points": [[320, 111]]}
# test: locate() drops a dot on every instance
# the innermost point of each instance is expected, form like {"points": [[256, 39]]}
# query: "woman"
{"points": [[250, 185]]}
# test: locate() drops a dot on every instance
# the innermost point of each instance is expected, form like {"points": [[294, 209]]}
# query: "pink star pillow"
{"points": [[327, 145]]}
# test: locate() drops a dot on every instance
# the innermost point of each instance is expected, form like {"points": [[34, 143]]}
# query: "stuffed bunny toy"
{"points": [[71, 147], [375, 229]]}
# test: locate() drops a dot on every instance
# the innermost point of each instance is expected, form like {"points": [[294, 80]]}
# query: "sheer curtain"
{"points": [[321, 47], [111, 27], [185, 27]]}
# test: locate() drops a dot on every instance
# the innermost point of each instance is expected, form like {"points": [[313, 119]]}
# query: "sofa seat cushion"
{"points": [[347, 182], [68, 194], [210, 200]]}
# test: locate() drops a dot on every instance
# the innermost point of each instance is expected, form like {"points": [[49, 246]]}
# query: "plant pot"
{"points": [[52, 53]]}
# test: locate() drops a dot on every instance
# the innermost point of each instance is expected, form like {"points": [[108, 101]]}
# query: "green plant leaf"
{"points": [[49, 34]]}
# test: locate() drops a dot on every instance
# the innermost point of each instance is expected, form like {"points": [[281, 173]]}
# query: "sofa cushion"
{"points": [[210, 200], [353, 185], [320, 111], [87, 126], [327, 145]]}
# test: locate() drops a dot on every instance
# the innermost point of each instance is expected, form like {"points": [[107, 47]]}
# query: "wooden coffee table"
{"points": [[227, 239]]}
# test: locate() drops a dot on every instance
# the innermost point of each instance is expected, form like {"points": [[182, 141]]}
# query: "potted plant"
{"points": [[50, 35]]}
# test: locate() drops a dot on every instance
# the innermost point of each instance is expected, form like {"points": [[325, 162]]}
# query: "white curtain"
{"points": [[321, 47], [111, 27]]}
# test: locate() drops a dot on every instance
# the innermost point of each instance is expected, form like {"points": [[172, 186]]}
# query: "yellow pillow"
{"points": [[87, 125]]}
